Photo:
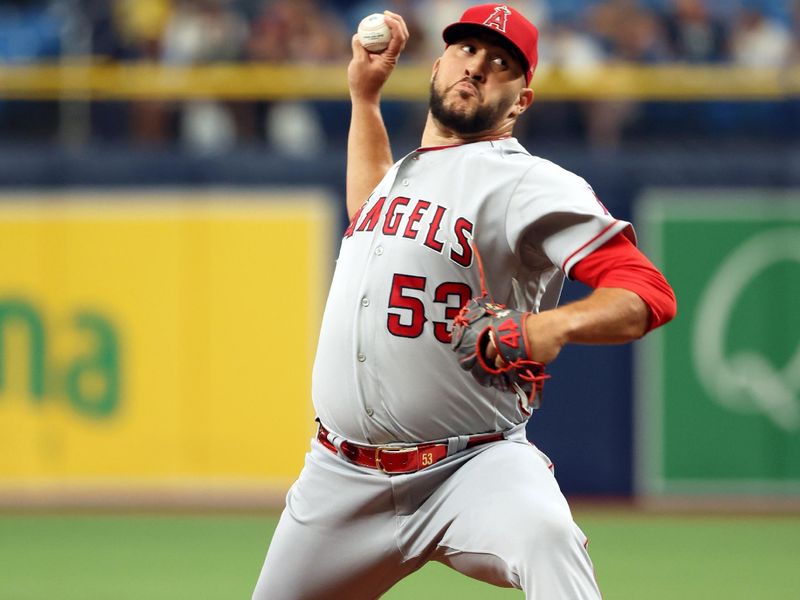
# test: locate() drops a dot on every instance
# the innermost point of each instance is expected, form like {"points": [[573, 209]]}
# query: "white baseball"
{"points": [[373, 33]]}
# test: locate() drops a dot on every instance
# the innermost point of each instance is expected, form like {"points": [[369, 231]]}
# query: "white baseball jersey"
{"points": [[384, 371]]}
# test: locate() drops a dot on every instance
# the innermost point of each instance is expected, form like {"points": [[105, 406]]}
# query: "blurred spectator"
{"points": [[571, 11], [757, 41], [29, 31], [124, 29], [628, 32], [297, 31], [203, 31], [141, 24], [693, 35], [131, 30], [106, 40], [571, 49]]}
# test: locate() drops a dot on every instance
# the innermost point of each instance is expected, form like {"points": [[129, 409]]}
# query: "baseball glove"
{"points": [[481, 321]]}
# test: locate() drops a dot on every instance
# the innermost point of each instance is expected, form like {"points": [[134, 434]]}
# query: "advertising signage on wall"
{"points": [[718, 390], [159, 338]]}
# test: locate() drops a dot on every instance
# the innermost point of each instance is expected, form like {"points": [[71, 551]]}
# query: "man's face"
{"points": [[475, 85]]}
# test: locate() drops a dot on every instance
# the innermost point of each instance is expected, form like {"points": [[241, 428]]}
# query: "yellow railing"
{"points": [[151, 81]]}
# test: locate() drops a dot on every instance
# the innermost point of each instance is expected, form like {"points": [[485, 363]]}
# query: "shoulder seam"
{"points": [[508, 202]]}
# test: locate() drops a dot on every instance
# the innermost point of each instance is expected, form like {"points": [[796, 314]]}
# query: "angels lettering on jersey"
{"points": [[404, 217]]}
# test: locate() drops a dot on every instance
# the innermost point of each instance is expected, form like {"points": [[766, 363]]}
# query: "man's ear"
{"points": [[435, 68], [524, 101]]}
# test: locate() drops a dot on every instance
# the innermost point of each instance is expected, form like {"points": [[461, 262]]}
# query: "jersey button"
{"points": [[361, 357], [379, 250], [370, 412], [365, 302], [405, 182]]}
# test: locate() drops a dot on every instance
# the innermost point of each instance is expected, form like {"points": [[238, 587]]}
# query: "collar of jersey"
{"points": [[433, 148]]}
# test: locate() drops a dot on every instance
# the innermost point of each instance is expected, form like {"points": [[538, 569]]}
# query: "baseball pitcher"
{"points": [[441, 320]]}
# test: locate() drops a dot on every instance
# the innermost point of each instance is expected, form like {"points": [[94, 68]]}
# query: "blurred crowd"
{"points": [[574, 34]]}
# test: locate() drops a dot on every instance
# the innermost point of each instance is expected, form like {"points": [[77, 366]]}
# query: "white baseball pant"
{"points": [[493, 512]]}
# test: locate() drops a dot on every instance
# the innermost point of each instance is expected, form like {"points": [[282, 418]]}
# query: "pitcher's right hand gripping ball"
{"points": [[481, 321]]}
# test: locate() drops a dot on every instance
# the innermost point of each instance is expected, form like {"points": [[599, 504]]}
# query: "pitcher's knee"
{"points": [[549, 533], [552, 561]]}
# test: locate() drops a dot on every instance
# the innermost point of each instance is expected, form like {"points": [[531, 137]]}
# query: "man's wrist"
{"points": [[557, 324], [365, 100]]}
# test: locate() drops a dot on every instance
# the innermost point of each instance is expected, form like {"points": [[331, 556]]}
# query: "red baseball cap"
{"points": [[505, 21]]}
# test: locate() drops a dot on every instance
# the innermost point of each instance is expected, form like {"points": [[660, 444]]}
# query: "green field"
{"points": [[172, 557]]}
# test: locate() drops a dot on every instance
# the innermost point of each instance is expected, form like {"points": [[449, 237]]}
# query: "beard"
{"points": [[484, 117]]}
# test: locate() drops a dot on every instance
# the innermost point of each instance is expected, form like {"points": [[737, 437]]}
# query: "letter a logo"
{"points": [[498, 18], [511, 338]]}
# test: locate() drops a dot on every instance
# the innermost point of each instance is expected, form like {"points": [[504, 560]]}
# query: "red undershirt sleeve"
{"points": [[620, 264]]}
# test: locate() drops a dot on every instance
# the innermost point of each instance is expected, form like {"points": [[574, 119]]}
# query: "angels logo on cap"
{"points": [[498, 18], [509, 23]]}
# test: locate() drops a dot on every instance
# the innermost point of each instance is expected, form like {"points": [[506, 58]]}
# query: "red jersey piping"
{"points": [[591, 241]]}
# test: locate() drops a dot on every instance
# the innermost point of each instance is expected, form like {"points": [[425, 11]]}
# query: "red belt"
{"points": [[392, 459]]}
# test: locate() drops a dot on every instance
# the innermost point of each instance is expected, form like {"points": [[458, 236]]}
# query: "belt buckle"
{"points": [[379, 449]]}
